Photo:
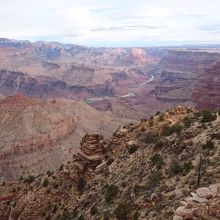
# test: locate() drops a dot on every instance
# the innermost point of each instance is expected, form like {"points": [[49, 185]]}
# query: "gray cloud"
{"points": [[128, 28], [210, 28]]}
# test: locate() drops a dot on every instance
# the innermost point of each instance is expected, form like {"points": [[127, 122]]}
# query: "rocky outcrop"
{"points": [[89, 156], [204, 204]]}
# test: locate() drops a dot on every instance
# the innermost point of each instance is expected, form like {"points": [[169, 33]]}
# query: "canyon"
{"points": [[112, 79], [52, 94], [108, 133]]}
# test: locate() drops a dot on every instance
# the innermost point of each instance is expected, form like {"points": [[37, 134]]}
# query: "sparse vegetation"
{"points": [[150, 137], [81, 184], [154, 180], [133, 148], [187, 166], [155, 177], [208, 145], [49, 173], [110, 161], [111, 192], [158, 113], [187, 121], [169, 130], [151, 123], [45, 183], [161, 117], [55, 185], [215, 135], [107, 215], [29, 179], [160, 143], [67, 216], [94, 210], [81, 217], [175, 167], [122, 211], [157, 160], [208, 116], [61, 167]]}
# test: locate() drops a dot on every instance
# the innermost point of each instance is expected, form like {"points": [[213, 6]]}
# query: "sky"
{"points": [[112, 23]]}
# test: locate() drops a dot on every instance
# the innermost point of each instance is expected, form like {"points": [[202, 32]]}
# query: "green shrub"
{"points": [[54, 209], [169, 130], [151, 123], [45, 183], [215, 136], [94, 210], [187, 166], [208, 116], [81, 184], [149, 137], [175, 167], [161, 117], [81, 217], [133, 148], [161, 143], [157, 160], [154, 180], [107, 215], [49, 173], [136, 216], [110, 161], [122, 211], [111, 192], [61, 167], [158, 113], [208, 145], [29, 179], [67, 216], [138, 189], [187, 121], [55, 185], [197, 114]]}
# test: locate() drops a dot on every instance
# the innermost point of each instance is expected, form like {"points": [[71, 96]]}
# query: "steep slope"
{"points": [[143, 172], [37, 135], [207, 91]]}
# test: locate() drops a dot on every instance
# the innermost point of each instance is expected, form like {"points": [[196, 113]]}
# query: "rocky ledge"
{"points": [[204, 204]]}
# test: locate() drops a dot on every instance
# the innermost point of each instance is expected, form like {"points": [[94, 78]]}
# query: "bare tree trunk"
{"points": [[199, 170]]}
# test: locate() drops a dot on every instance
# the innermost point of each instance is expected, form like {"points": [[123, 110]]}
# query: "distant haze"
{"points": [[112, 23]]}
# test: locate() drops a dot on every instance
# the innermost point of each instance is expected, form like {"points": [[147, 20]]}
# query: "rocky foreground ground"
{"points": [[165, 167]]}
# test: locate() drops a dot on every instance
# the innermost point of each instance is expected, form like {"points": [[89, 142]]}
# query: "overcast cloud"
{"points": [[112, 23]]}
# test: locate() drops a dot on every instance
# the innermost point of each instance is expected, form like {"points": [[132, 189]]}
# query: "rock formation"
{"points": [[204, 204]]}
